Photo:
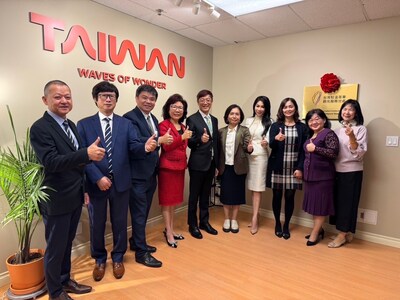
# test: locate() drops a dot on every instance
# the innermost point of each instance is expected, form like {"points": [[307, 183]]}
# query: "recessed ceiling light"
{"points": [[242, 7]]}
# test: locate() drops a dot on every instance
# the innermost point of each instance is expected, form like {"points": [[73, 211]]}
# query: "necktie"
{"points": [[208, 121], [108, 140], [68, 132], [150, 125]]}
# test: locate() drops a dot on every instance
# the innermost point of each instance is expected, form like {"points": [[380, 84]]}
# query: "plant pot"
{"points": [[26, 278]]}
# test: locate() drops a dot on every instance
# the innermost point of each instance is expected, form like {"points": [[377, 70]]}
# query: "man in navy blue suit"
{"points": [[144, 173], [107, 182], [59, 149]]}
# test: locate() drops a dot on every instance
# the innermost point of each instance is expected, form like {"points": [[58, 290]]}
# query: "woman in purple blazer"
{"points": [[321, 150]]}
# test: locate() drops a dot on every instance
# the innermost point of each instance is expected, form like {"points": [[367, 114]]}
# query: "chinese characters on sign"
{"points": [[314, 97]]}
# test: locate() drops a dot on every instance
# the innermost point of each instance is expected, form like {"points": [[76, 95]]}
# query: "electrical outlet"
{"points": [[392, 141], [367, 216]]}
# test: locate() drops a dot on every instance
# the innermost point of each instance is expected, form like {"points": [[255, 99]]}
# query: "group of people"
{"points": [[112, 163]]}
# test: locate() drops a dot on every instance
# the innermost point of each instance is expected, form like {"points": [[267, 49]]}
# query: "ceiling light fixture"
{"points": [[196, 6], [178, 2]]}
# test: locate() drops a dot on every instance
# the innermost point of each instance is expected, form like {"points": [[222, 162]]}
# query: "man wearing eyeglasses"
{"points": [[107, 180], [144, 173], [203, 162]]}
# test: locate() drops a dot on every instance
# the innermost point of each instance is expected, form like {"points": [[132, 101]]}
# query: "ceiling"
{"points": [[288, 19]]}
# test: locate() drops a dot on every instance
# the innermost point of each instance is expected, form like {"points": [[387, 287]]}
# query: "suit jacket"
{"points": [[142, 167], [201, 153], [125, 143], [173, 156], [240, 161], [63, 165]]}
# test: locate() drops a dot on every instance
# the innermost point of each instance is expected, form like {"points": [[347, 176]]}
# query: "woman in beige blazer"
{"points": [[235, 143]]}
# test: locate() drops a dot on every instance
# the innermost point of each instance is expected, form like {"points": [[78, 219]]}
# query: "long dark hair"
{"points": [[280, 117], [358, 116], [266, 118]]}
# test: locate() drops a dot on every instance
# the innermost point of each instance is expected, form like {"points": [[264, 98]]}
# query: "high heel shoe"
{"points": [[321, 234], [179, 237], [173, 244], [254, 227], [278, 231], [286, 234], [313, 243]]}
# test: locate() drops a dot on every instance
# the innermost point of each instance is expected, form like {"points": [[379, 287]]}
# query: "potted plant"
{"points": [[21, 184]]}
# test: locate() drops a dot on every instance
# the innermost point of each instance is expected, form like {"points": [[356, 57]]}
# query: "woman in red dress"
{"points": [[173, 162]]}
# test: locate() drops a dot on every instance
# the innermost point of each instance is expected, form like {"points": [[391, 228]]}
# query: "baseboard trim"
{"points": [[362, 235]]}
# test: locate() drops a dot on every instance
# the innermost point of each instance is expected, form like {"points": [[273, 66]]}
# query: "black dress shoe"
{"points": [[62, 296], [149, 261], [195, 232], [208, 228], [149, 248], [73, 287]]}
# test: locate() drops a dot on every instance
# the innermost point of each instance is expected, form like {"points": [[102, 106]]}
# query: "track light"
{"points": [[196, 7], [178, 2], [214, 14]]}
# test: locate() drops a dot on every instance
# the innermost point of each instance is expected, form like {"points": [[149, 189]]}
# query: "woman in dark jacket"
{"points": [[285, 164]]}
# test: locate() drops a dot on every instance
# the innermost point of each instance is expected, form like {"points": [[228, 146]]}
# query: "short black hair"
{"points": [[102, 87], [204, 93], [320, 113], [172, 100], [228, 111], [146, 88], [359, 118]]}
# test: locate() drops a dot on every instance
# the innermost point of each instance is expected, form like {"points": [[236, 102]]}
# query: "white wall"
{"points": [[26, 67], [367, 54]]}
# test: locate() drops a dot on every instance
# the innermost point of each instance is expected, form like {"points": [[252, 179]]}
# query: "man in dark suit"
{"points": [[58, 146], [144, 173], [107, 182], [203, 162]]}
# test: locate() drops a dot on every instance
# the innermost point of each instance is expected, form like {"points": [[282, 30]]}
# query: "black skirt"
{"points": [[232, 187]]}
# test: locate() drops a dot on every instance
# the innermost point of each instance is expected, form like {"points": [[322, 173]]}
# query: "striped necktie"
{"points": [[68, 132], [150, 125], [108, 140]]}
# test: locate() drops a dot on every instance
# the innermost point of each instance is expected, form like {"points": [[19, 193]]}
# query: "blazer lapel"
{"points": [[238, 137], [60, 131]]}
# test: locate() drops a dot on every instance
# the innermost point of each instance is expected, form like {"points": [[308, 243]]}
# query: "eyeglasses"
{"points": [[105, 96], [205, 100], [177, 107]]}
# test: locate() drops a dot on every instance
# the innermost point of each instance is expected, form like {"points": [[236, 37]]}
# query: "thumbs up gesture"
{"points": [[250, 147], [95, 152], [280, 136], [264, 142], [187, 134], [151, 143], [167, 138], [310, 147], [205, 137]]}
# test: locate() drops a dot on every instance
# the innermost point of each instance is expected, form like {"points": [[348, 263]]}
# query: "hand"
{"points": [[349, 131], [310, 147], [187, 134], [86, 199], [280, 137], [250, 147], [298, 174], [205, 137], [151, 143], [95, 152], [104, 183], [264, 142], [167, 138]]}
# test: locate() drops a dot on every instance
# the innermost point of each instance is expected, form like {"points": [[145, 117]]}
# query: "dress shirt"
{"points": [[60, 122], [230, 146], [104, 122]]}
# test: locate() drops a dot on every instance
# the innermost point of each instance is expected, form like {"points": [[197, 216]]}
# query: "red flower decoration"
{"points": [[330, 83]]}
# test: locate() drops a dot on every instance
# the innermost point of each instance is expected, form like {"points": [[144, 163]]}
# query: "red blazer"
{"points": [[173, 156]]}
